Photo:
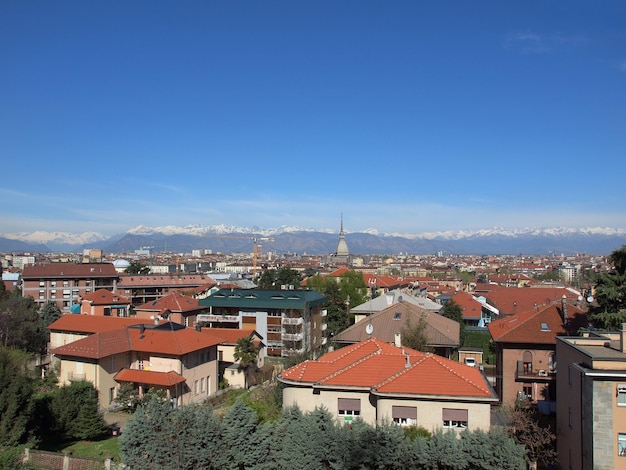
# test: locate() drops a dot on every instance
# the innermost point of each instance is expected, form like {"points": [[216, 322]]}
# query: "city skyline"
{"points": [[403, 117]]}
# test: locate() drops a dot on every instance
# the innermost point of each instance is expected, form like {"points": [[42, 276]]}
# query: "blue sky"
{"points": [[404, 116]]}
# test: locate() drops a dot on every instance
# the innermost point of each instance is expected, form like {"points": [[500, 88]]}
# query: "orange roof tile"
{"points": [[387, 369], [174, 302], [538, 326], [163, 379], [158, 340], [91, 323], [105, 297]]}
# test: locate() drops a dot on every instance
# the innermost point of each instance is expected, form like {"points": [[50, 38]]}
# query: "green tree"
{"points": [[413, 335], [610, 291], [453, 311], [76, 412], [494, 450], [337, 318], [246, 353], [284, 276], [248, 442], [16, 398], [21, 326], [137, 267], [50, 313]]}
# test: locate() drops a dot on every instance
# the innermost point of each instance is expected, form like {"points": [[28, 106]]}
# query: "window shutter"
{"points": [[349, 404], [452, 414], [403, 412]]}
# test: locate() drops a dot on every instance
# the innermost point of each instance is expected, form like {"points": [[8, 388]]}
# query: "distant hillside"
{"points": [[600, 241]]}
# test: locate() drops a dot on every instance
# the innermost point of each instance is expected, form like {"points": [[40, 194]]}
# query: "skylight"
{"points": [[397, 315], [545, 327]]}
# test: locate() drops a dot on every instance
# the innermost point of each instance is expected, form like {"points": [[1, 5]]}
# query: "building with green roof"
{"points": [[291, 321]]}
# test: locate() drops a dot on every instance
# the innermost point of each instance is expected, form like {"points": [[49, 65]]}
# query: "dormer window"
{"points": [[545, 327]]}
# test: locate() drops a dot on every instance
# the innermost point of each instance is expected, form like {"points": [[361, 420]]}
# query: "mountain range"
{"points": [[230, 239]]}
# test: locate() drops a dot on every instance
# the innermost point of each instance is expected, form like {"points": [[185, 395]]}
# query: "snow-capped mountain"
{"points": [[226, 238]]}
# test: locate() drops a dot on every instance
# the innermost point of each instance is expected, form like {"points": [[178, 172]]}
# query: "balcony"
{"points": [[528, 374], [293, 321], [293, 336]]}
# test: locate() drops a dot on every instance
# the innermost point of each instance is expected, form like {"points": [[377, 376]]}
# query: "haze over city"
{"points": [[403, 116]]}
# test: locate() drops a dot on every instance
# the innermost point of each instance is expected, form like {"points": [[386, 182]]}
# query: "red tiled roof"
{"points": [[105, 297], [127, 281], [69, 270], [386, 369], [174, 302], [471, 307], [158, 341], [229, 335], [538, 326], [92, 323], [511, 300], [163, 379]]}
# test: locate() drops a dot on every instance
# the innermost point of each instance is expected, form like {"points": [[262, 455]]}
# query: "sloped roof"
{"points": [[163, 379], [259, 298], [470, 307], [230, 335], [106, 297], [388, 370], [157, 340], [127, 281], [440, 331], [512, 300], [69, 270], [174, 302], [538, 326], [392, 297], [90, 324]]}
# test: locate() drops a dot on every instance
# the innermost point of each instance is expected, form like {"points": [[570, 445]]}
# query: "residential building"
{"points": [[104, 303], [144, 288], [525, 351], [390, 298], [591, 401], [475, 310], [173, 307], [389, 324], [181, 361], [291, 321], [382, 383], [229, 368], [65, 283]]}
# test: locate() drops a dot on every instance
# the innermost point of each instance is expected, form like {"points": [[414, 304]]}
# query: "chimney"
{"points": [[389, 297], [408, 362], [564, 308], [622, 338], [397, 340]]}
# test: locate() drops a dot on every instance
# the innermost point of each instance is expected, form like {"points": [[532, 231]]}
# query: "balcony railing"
{"points": [[535, 375], [292, 321], [293, 336]]}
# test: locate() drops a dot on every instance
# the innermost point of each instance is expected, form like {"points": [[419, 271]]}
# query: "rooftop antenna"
{"points": [[369, 329]]}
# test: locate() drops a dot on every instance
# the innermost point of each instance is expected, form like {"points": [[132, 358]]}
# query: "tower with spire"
{"points": [[342, 254]]}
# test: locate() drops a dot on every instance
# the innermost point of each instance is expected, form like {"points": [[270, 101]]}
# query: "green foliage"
{"points": [[16, 399], [11, 458], [337, 318], [413, 335], [21, 325], [274, 278], [246, 354], [50, 313], [414, 432], [610, 293], [137, 267], [481, 340], [453, 311], [75, 411]]}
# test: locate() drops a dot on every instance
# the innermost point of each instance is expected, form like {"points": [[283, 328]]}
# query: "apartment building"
{"points": [[591, 401], [65, 283], [291, 321]]}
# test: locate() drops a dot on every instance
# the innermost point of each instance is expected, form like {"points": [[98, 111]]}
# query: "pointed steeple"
{"points": [[342, 247]]}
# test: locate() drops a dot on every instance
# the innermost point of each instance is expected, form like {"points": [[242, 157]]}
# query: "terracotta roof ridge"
{"points": [[401, 372], [350, 366], [463, 377], [350, 350]]}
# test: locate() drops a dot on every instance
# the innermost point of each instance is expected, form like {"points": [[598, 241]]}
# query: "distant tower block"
{"points": [[342, 254]]}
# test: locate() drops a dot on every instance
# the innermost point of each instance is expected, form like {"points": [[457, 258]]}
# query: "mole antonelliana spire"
{"points": [[342, 254]]}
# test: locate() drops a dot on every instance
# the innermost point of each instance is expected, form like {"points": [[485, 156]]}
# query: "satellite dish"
{"points": [[590, 299], [580, 297], [369, 329]]}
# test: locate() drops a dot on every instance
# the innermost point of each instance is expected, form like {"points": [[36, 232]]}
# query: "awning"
{"points": [[148, 377]]}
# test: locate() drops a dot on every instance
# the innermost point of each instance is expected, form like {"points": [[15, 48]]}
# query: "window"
{"points": [[349, 407], [202, 384], [621, 445], [111, 395], [404, 415], [397, 315], [454, 418], [621, 394], [195, 387]]}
